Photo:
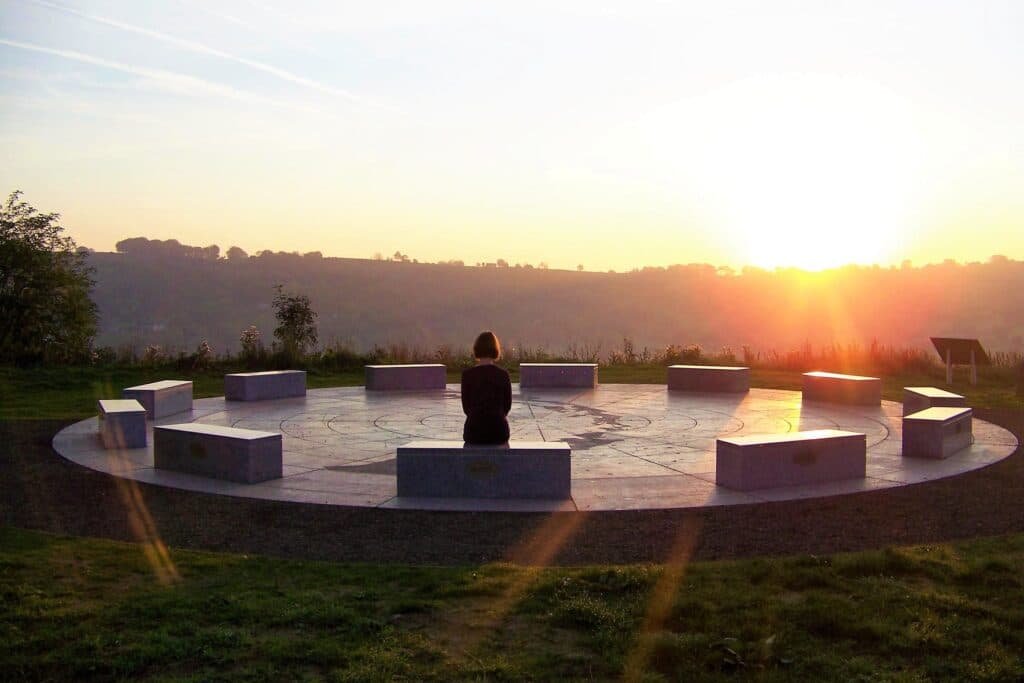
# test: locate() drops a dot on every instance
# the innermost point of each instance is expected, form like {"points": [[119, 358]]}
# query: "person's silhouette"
{"points": [[486, 394]]}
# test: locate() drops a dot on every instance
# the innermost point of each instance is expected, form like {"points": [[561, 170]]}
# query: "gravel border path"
{"points": [[41, 490]]}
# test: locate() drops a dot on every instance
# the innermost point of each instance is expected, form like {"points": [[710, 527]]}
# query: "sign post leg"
{"points": [[949, 365], [974, 370]]}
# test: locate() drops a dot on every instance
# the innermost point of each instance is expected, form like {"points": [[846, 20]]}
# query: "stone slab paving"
{"points": [[635, 446]]}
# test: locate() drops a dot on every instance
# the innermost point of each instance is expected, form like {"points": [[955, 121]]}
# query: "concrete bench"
{"points": [[766, 461], [243, 455], [167, 397], [830, 387], [262, 386], [916, 399], [122, 423], [452, 469], [557, 375], [937, 432], [708, 378], [406, 377]]}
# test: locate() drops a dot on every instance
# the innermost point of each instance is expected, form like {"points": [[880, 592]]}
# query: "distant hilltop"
{"points": [[167, 293]]}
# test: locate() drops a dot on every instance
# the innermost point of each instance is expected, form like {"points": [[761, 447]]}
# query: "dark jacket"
{"points": [[486, 400]]}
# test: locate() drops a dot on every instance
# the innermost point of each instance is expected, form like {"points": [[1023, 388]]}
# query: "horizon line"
{"points": [[503, 264]]}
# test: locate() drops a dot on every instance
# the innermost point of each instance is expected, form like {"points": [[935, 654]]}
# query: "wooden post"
{"points": [[949, 365], [974, 370]]}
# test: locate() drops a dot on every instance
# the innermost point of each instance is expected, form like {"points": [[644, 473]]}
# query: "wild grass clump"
{"points": [[851, 358], [605, 605]]}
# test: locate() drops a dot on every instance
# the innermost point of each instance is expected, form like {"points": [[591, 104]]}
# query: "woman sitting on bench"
{"points": [[486, 394]]}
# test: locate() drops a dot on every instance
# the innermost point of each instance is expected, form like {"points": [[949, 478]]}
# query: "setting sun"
{"points": [[806, 171], [813, 172]]}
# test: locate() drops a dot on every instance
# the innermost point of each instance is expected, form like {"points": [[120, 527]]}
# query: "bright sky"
{"points": [[612, 134]]}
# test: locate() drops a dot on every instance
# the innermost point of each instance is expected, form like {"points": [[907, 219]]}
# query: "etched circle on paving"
{"points": [[633, 446]]}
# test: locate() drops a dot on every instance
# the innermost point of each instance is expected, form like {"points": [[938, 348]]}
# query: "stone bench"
{"points": [[916, 399], [709, 378], [262, 386], [406, 377], [830, 387], [452, 469], [122, 423], [167, 397], [557, 375], [242, 455], [764, 461], [937, 432]]}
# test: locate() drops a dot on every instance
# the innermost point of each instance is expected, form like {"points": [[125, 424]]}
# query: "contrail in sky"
{"points": [[198, 5], [213, 52], [176, 81]]}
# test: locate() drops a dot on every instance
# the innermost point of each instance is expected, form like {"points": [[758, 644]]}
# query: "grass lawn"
{"points": [[70, 393], [89, 609]]}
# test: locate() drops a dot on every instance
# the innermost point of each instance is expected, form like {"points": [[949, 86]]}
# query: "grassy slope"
{"points": [[80, 608]]}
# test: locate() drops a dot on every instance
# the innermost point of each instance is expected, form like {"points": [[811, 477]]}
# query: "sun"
{"points": [[803, 170], [812, 172]]}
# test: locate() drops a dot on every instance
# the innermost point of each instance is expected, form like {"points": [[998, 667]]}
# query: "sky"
{"points": [[609, 134]]}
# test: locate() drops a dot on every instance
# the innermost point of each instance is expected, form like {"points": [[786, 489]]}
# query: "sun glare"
{"points": [[812, 172], [802, 170]]}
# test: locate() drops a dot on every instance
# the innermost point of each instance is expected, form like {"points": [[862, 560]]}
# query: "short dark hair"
{"points": [[487, 346]]}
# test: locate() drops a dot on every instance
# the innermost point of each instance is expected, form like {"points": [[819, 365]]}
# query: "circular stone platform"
{"points": [[634, 446]]}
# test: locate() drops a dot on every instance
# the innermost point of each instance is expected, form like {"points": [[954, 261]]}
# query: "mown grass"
{"points": [[71, 392], [88, 609]]}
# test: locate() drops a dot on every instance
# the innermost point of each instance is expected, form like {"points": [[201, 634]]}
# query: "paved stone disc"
{"points": [[635, 446]]}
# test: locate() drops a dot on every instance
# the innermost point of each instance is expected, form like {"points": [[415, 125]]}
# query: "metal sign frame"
{"points": [[955, 351]]}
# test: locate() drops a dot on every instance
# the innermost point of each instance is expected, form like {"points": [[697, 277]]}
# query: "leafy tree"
{"points": [[165, 249], [45, 309], [296, 328], [237, 254]]}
